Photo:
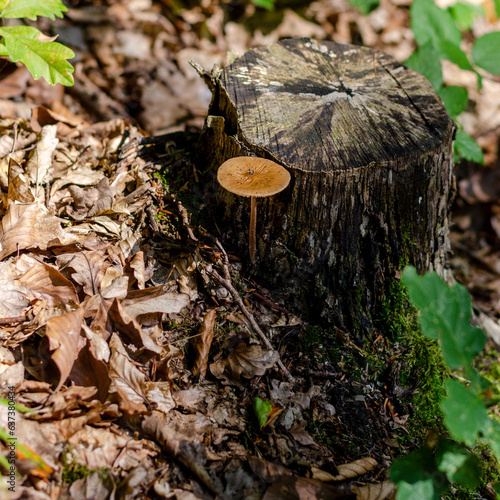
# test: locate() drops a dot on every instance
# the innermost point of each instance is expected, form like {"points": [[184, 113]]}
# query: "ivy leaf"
{"points": [[430, 23], [468, 148], [459, 465], [416, 476], [425, 60], [486, 52], [262, 410], [454, 99], [30, 9], [445, 314], [43, 59], [465, 413]]}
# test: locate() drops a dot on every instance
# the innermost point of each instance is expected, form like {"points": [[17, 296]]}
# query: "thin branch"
{"points": [[227, 284]]}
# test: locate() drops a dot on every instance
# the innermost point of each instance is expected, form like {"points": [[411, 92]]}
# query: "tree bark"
{"points": [[369, 147]]}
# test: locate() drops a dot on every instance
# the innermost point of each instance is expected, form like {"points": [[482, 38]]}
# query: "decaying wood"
{"points": [[369, 148]]}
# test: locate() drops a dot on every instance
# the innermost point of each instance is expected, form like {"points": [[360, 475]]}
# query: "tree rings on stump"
{"points": [[369, 148]]}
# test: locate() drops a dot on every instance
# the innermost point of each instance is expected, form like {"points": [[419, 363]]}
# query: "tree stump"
{"points": [[369, 148]]}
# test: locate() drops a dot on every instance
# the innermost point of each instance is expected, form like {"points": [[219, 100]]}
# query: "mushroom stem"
{"points": [[253, 229]]}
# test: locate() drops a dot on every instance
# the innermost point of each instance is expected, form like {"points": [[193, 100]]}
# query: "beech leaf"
{"points": [[63, 333]]}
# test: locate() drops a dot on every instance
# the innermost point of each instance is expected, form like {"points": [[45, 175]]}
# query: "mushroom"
{"points": [[256, 178]]}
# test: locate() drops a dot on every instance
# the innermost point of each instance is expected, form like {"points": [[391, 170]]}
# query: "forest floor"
{"points": [[157, 396]]}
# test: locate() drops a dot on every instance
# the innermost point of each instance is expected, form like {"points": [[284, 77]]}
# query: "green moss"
{"points": [[73, 471], [422, 367]]}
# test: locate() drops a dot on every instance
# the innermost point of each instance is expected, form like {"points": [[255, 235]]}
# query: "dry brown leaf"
{"points": [[375, 491], [202, 343], [248, 361], [63, 333], [128, 381], [19, 189], [301, 488], [15, 84], [131, 331], [40, 162], [346, 471], [44, 281], [13, 299], [88, 371], [108, 448], [267, 471], [136, 263], [167, 303], [189, 453], [71, 425], [86, 268], [17, 230], [92, 201]]}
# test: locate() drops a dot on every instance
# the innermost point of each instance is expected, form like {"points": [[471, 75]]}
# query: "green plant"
{"points": [[438, 35], [445, 316], [40, 54]]}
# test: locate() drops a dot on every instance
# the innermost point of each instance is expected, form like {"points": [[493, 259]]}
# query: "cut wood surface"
{"points": [[369, 148]]}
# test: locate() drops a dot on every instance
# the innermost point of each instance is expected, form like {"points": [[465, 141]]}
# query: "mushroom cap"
{"points": [[250, 176]]}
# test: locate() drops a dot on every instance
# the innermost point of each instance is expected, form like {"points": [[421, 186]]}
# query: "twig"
{"points": [[226, 283]]}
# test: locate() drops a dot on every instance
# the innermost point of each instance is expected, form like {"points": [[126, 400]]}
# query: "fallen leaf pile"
{"points": [[122, 347]]}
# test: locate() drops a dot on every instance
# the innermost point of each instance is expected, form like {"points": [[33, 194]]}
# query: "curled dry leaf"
{"points": [[128, 381], [130, 330], [346, 471], [375, 491], [168, 303], [245, 361], [202, 343], [88, 371], [45, 281], [40, 161], [63, 333]]}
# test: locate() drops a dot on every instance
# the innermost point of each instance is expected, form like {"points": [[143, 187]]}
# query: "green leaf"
{"points": [[30, 9], [486, 52], [264, 4], [497, 7], [430, 23], [445, 314], [262, 410], [454, 99], [492, 437], [417, 477], [454, 54], [43, 59], [365, 6], [465, 414], [468, 148], [425, 60], [464, 14], [459, 465]]}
